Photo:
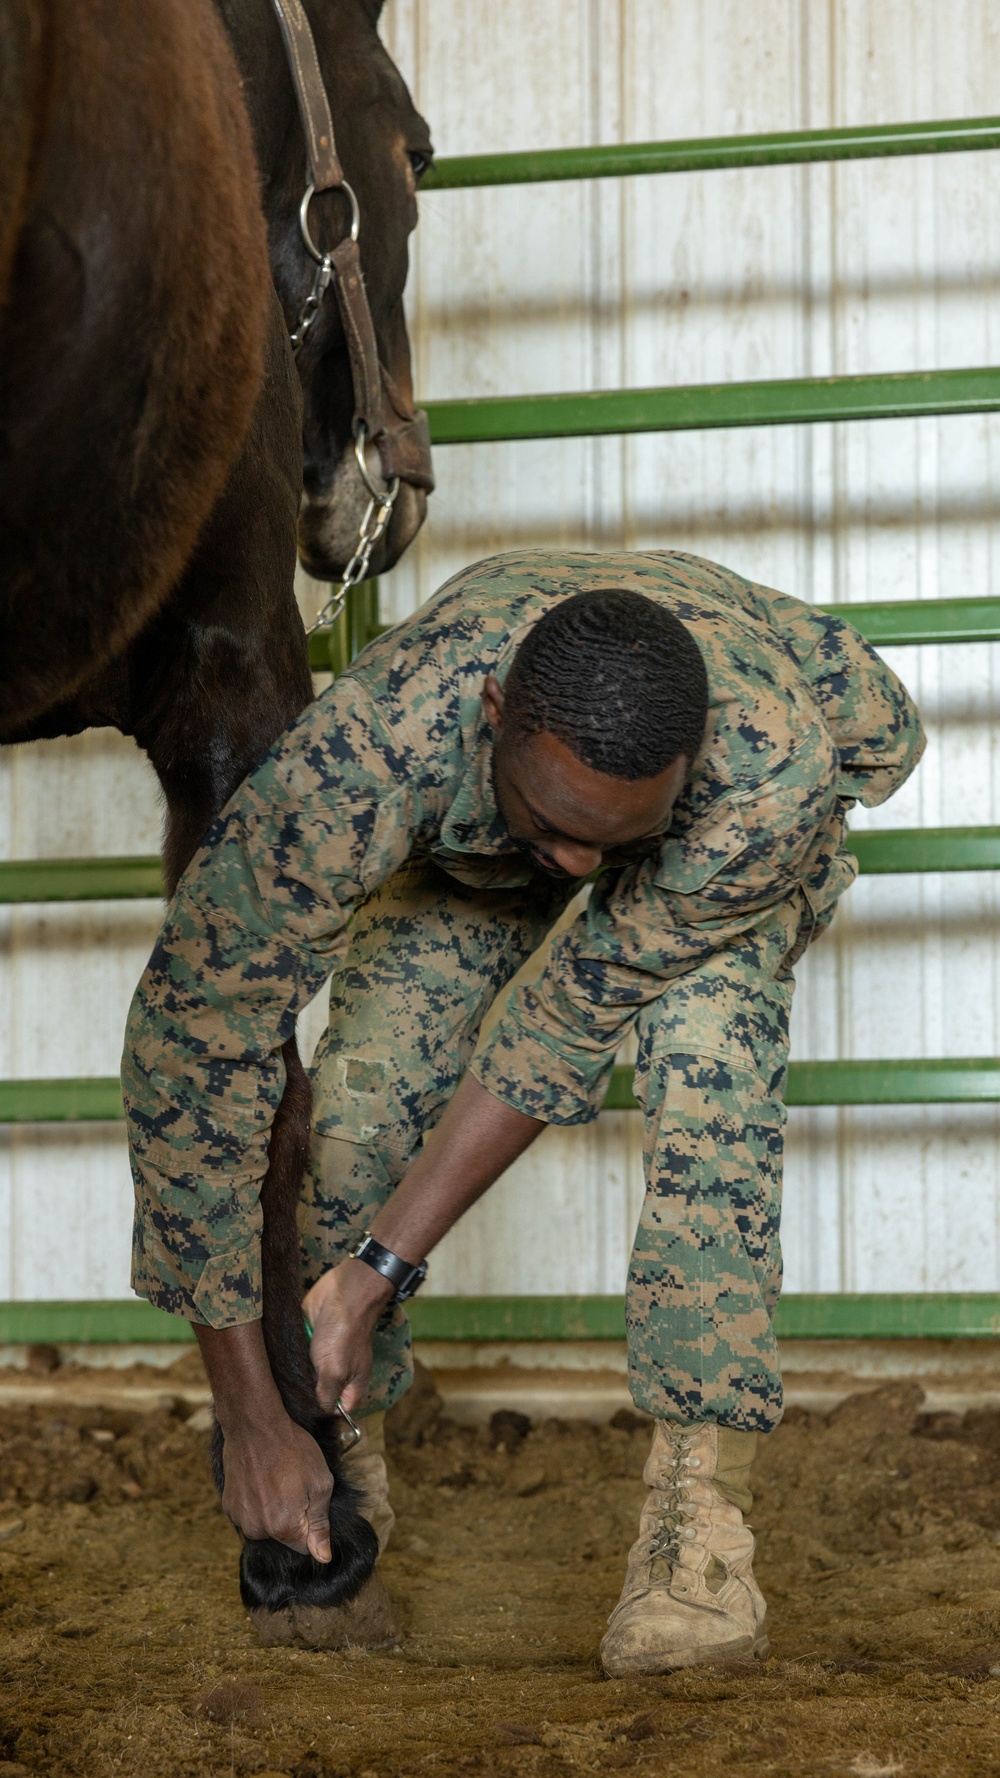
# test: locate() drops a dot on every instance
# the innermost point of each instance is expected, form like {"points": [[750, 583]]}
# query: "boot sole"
{"points": [[745, 1647]]}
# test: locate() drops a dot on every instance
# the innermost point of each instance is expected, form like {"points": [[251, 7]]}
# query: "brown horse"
{"points": [[152, 424], [149, 408], [133, 324]]}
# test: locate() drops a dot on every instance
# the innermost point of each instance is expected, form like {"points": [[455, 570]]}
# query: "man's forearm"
{"points": [[243, 1389], [476, 1140], [277, 1483]]}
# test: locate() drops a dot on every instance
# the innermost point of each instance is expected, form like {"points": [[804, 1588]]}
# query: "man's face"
{"points": [[562, 811]]}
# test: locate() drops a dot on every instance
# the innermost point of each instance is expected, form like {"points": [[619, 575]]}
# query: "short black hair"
{"points": [[614, 676]]}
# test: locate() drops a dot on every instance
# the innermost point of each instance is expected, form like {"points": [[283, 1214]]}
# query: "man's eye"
{"points": [[419, 162]]}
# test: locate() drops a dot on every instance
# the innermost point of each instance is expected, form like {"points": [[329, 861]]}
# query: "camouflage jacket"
{"points": [[394, 760]]}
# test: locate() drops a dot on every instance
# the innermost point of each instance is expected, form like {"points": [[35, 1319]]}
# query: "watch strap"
{"points": [[404, 1277]]}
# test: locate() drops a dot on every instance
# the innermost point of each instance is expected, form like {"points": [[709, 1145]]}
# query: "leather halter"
{"points": [[381, 413]]}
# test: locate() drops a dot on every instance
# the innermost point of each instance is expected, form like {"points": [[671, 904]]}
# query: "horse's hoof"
{"points": [[275, 1629], [366, 1622]]}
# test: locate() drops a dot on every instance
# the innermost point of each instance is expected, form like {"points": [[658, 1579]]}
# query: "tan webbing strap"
{"points": [[314, 107]]}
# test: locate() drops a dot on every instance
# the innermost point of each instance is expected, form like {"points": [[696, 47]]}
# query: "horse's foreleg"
{"points": [[272, 1576], [224, 669]]}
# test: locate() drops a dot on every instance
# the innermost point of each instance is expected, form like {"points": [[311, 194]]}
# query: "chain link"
{"points": [[324, 261], [377, 515], [314, 301]]}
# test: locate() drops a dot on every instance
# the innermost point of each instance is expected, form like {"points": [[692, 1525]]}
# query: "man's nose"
{"points": [[576, 861]]}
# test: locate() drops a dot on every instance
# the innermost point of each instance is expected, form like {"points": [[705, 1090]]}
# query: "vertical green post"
{"points": [[357, 625]]}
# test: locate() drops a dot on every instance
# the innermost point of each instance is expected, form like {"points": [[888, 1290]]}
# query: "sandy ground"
{"points": [[124, 1649]]}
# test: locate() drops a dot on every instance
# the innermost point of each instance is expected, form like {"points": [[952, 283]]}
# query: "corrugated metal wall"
{"points": [[764, 273]]}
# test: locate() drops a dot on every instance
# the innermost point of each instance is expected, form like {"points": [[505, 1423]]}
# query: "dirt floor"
{"points": [[124, 1649]]}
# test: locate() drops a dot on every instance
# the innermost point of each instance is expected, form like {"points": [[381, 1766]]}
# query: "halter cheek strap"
{"points": [[381, 414], [314, 106]]}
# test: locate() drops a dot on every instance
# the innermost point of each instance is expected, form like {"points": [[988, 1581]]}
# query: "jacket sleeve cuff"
{"points": [[520, 1069], [226, 1295], [207, 1270]]}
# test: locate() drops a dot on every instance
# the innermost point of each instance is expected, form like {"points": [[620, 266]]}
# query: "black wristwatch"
{"points": [[405, 1278]]}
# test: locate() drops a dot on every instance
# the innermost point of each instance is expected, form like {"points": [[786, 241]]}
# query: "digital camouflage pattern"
{"points": [[705, 1271], [425, 962], [390, 769], [427, 958]]}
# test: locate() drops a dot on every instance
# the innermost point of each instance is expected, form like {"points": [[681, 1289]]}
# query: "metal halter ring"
{"points": [[310, 245], [384, 496]]}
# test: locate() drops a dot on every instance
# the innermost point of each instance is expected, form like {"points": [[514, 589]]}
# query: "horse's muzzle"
{"points": [[328, 525]]}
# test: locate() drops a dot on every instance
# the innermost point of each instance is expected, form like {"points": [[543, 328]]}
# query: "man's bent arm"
{"points": [[250, 935], [476, 1140]]}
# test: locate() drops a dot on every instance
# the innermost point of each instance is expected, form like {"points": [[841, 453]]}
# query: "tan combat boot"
{"points": [[689, 1593], [364, 1467]]}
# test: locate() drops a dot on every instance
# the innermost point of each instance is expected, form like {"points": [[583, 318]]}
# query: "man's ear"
{"points": [[493, 702]]}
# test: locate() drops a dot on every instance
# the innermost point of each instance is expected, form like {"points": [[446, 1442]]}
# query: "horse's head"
{"points": [[384, 145]]}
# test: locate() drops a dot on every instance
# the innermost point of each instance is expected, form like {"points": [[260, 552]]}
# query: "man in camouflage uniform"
{"points": [[403, 800]]}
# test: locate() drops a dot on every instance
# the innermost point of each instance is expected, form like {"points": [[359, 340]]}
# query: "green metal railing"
{"points": [[897, 850], [958, 1080], [62, 1101], [779, 402], [893, 851], [705, 154], [902, 622], [806, 1316], [947, 1315], [80, 879], [885, 623], [791, 401]]}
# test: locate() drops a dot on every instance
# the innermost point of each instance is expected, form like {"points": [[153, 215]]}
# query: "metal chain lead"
{"points": [[377, 515], [314, 301], [324, 261]]}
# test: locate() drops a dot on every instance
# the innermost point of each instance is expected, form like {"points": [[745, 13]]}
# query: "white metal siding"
{"points": [[759, 273], [66, 977]]}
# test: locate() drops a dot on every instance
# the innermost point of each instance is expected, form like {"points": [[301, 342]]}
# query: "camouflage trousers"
{"points": [[425, 961]]}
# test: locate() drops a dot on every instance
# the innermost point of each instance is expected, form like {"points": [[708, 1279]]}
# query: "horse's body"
{"points": [[133, 322], [152, 425], [149, 412]]}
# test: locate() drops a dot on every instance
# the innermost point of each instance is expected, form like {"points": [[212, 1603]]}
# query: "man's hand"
{"points": [[342, 1309], [277, 1482], [278, 1485]]}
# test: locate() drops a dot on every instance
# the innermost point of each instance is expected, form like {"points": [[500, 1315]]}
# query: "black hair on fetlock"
{"points": [[273, 1576]]}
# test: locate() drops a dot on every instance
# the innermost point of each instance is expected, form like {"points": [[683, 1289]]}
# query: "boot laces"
{"points": [[672, 1524]]}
